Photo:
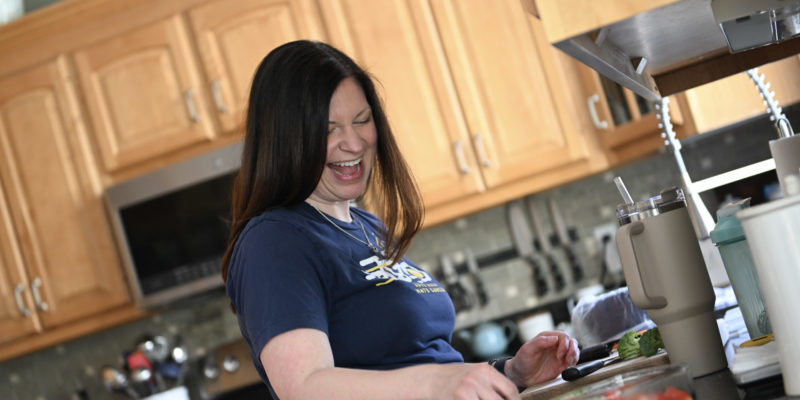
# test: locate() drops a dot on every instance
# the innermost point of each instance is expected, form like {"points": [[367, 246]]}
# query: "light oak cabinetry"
{"points": [[735, 98], [58, 256], [628, 126], [233, 38], [477, 99], [144, 95]]}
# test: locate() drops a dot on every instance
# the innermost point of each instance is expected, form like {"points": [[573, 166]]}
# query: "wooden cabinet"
{"points": [[57, 248], [16, 317], [474, 108], [397, 42], [626, 124], [735, 98], [144, 93], [233, 38]]}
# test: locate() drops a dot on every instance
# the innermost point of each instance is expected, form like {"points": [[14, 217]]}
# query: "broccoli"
{"points": [[650, 342], [628, 346]]}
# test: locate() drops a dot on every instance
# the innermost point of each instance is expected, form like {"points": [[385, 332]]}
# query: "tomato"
{"points": [[673, 393]]}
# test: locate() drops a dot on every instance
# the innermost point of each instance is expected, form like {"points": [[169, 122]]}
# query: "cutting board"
{"points": [[555, 387]]}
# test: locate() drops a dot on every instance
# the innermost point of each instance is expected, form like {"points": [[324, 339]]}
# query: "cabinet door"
{"points": [[144, 93], [627, 124], [234, 37], [55, 197], [508, 82], [17, 316], [735, 98], [396, 41]]}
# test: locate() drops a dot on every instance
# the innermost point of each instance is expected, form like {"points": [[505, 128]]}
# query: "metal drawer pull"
{"points": [[594, 99], [37, 298], [481, 151], [20, 304], [462, 162], [218, 97], [190, 105]]}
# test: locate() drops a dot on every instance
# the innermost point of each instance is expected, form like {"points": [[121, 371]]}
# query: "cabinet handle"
{"points": [[594, 99], [481, 151], [462, 161], [218, 97], [20, 304], [190, 106], [37, 298]]}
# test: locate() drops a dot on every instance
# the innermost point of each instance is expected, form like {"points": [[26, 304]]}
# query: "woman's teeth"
{"points": [[347, 163]]}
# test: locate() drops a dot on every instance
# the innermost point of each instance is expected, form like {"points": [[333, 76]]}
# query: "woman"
{"points": [[324, 297]]}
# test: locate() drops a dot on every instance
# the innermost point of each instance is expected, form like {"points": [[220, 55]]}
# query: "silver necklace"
{"points": [[369, 244]]}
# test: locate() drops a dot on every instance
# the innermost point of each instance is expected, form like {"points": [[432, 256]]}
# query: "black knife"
{"points": [[581, 370], [566, 243], [544, 244]]}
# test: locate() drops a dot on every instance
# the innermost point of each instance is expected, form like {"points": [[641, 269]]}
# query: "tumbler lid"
{"points": [[669, 199], [729, 228]]}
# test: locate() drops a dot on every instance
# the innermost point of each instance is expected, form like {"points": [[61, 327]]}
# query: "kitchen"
{"points": [[574, 162]]}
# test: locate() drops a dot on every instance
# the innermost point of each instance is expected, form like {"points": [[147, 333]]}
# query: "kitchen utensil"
{"points": [[666, 276], [729, 238], [474, 271], [596, 352], [566, 243], [116, 381], [490, 339], [581, 370], [523, 243], [459, 295], [544, 243], [772, 235]]}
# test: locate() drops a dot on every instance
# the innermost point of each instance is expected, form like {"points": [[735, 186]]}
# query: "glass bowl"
{"points": [[665, 382]]}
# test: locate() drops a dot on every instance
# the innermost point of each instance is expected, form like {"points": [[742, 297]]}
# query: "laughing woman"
{"points": [[325, 298]]}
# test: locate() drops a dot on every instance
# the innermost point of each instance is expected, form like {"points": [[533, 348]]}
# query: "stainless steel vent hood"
{"points": [[661, 47]]}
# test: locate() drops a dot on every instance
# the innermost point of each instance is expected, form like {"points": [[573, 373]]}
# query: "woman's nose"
{"points": [[351, 140]]}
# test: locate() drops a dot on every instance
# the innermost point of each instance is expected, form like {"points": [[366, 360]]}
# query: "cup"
{"points": [[532, 325], [732, 244], [786, 153], [774, 240], [667, 276]]}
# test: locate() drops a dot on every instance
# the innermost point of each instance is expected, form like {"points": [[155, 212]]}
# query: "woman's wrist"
{"points": [[503, 366]]}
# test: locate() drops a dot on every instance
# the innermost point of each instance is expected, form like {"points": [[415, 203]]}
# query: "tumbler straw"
{"points": [[623, 190]]}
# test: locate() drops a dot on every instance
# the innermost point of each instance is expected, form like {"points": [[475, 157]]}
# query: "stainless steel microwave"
{"points": [[172, 225]]}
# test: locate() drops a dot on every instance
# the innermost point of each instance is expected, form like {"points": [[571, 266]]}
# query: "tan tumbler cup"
{"points": [[666, 276]]}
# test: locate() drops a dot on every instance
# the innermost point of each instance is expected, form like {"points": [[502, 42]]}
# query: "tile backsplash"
{"points": [[206, 321]]}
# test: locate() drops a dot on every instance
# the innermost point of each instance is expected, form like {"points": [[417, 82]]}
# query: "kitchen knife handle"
{"points": [[579, 371], [575, 263], [595, 352]]}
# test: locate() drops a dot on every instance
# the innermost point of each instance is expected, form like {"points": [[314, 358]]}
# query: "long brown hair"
{"points": [[285, 141]]}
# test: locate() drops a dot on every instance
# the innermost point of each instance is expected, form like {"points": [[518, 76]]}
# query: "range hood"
{"points": [[661, 47]]}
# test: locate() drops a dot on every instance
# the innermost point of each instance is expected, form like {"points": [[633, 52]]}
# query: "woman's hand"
{"points": [[472, 382], [542, 358]]}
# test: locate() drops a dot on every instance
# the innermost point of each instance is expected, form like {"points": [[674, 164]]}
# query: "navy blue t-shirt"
{"points": [[293, 269]]}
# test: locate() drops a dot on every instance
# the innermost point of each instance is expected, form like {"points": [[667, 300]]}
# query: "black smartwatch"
{"points": [[500, 364]]}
